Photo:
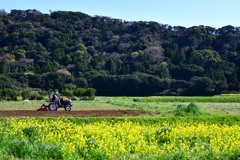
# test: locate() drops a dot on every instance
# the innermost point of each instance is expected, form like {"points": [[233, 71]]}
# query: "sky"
{"points": [[187, 13]]}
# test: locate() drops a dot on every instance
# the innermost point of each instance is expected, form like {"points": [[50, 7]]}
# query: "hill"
{"points": [[72, 49]]}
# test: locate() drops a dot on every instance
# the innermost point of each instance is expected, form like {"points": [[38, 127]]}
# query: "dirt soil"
{"points": [[85, 113]]}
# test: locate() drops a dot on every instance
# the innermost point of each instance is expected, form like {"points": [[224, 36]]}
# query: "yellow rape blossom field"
{"points": [[60, 138]]}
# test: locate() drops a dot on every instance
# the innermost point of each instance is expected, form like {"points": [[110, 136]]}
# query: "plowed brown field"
{"points": [[84, 113]]}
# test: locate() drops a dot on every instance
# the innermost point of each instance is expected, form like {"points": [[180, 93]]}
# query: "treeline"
{"points": [[69, 50], [38, 94]]}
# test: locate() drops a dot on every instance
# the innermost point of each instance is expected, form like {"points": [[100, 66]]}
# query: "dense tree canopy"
{"points": [[65, 50]]}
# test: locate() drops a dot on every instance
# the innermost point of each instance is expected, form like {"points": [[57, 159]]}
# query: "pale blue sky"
{"points": [[214, 13]]}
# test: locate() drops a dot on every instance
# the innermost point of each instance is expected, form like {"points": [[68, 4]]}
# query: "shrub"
{"points": [[9, 94], [19, 98], [26, 94], [85, 93], [90, 93], [36, 96], [68, 92], [191, 109]]}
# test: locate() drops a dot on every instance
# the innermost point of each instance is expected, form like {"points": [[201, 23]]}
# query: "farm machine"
{"points": [[53, 105]]}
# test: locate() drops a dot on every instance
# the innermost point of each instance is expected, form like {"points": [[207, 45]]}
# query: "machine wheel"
{"points": [[52, 107], [68, 108]]}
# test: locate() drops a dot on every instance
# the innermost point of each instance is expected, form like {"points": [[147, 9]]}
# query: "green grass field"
{"points": [[182, 128], [216, 105]]}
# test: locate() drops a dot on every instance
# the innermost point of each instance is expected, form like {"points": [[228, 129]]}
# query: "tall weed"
{"points": [[191, 109]]}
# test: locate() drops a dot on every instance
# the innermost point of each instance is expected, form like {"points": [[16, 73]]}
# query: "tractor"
{"points": [[54, 105]]}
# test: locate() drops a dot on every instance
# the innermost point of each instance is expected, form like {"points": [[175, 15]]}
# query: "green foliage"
{"points": [[162, 135], [205, 58], [25, 149], [134, 58], [81, 83], [90, 93], [9, 94], [202, 86], [36, 96], [67, 92], [26, 94], [28, 146], [20, 53], [191, 109], [138, 84], [85, 93]]}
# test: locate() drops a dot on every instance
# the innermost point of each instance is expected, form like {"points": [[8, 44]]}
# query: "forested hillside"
{"points": [[73, 50]]}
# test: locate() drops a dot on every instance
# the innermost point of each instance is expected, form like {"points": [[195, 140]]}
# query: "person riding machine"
{"points": [[56, 102]]}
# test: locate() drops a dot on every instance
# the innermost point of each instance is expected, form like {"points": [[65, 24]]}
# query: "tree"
{"points": [[71, 49], [90, 93], [111, 66], [67, 92], [5, 82], [26, 94], [81, 82], [202, 86], [205, 58], [85, 93], [20, 53], [179, 87], [35, 81]]}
